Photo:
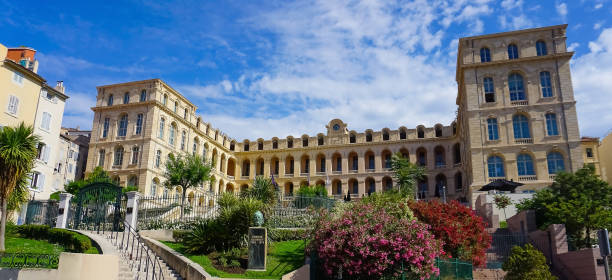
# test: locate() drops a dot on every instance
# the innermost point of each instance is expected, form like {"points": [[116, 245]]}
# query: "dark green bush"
{"points": [[179, 234], [527, 263], [226, 231], [71, 241], [280, 234]]}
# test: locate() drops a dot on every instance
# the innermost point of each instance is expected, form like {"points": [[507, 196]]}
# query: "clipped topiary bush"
{"points": [[71, 241], [527, 263]]}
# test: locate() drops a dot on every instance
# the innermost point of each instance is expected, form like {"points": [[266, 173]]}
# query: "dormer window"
{"points": [[290, 143], [320, 141], [352, 138]]}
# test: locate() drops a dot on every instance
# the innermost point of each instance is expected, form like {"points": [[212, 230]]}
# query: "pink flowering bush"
{"points": [[366, 242]]}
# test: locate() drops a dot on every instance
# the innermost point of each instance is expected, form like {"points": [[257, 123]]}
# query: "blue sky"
{"points": [[279, 68]]}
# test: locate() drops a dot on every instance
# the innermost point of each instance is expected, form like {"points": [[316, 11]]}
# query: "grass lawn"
{"points": [[283, 257], [16, 244]]}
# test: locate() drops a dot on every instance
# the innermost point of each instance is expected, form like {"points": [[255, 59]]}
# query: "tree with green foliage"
{"points": [[187, 171], [406, 174], [581, 201], [527, 263], [502, 201], [312, 191], [262, 189], [18, 151], [98, 175], [20, 194]]}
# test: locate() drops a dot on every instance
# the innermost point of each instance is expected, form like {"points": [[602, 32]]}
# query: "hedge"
{"points": [[71, 241], [287, 234]]}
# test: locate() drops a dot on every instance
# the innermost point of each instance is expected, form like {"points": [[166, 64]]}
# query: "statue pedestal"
{"points": [[258, 248]]}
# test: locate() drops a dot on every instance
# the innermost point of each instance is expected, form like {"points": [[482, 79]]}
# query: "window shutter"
{"points": [[46, 150], [41, 181]]}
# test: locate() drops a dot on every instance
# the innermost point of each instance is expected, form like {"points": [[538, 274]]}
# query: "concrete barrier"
{"points": [[187, 268], [158, 234]]}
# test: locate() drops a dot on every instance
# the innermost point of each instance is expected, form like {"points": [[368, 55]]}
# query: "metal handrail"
{"points": [[130, 243]]}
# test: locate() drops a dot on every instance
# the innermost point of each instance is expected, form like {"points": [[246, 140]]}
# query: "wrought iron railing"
{"points": [[141, 259], [27, 260], [42, 212], [166, 212]]}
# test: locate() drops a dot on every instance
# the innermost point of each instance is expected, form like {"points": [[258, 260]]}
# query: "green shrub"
{"points": [[71, 241], [179, 234], [283, 234], [310, 191], [228, 230], [527, 263]]}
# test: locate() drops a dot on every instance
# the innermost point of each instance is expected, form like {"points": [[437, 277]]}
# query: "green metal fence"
{"points": [[453, 269]]}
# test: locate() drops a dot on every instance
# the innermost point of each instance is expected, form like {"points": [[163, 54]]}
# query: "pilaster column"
{"points": [[131, 214], [64, 207]]}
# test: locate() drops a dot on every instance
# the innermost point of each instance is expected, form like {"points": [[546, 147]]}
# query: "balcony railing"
{"points": [[304, 174], [337, 172], [440, 165], [289, 174], [528, 178], [524, 141], [353, 171], [520, 103], [493, 179], [387, 169], [370, 170], [319, 173]]}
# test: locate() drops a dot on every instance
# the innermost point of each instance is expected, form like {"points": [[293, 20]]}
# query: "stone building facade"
{"points": [[516, 120]]}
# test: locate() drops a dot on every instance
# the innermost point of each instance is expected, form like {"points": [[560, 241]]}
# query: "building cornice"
{"points": [[515, 32], [155, 80], [16, 66]]}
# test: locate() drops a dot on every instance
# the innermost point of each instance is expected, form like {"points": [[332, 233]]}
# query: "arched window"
{"points": [[438, 129], [515, 85], [495, 165], [275, 144], [485, 55], [402, 134], [555, 163], [126, 98], [513, 51], [420, 132], [440, 157], [492, 129], [545, 84], [122, 128], [423, 188], [489, 89], [110, 100], [305, 142], [162, 123], [520, 123], [118, 159], [541, 48], [368, 136], [289, 143], [132, 181], [246, 146], [551, 124], [260, 145], [352, 138], [246, 168], [524, 164], [232, 146], [385, 135], [158, 155], [172, 132], [194, 149], [422, 157], [458, 182], [143, 95], [183, 136], [441, 185], [320, 141]]}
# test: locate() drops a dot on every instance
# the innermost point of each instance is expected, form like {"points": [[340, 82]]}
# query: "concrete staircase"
{"points": [[134, 263]]}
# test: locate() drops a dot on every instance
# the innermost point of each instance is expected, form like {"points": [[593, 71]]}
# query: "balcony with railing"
{"points": [[523, 140], [528, 178], [520, 103]]}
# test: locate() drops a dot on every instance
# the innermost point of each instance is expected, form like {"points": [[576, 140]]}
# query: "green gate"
{"points": [[97, 207], [42, 212]]}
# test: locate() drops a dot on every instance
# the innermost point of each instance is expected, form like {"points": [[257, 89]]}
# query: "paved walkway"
{"points": [[109, 249]]}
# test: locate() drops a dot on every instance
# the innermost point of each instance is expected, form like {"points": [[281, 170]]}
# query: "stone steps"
{"points": [[129, 266]]}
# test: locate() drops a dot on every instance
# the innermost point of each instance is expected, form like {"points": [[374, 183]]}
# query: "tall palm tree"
{"points": [[18, 150]]}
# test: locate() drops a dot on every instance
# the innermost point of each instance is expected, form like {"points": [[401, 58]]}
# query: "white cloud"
{"points": [[512, 4], [561, 9], [514, 22], [597, 25], [77, 110], [592, 83], [598, 6], [573, 46]]}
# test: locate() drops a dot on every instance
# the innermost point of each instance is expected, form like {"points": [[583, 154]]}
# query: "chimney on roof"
{"points": [[60, 86]]}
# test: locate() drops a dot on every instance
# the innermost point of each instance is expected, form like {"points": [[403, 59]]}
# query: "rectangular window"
{"points": [[545, 84], [489, 90], [105, 127], [70, 168], [123, 123], [371, 162], [101, 156], [492, 129], [162, 122], [46, 121], [143, 96], [551, 125], [18, 78], [13, 105], [135, 152], [589, 152], [138, 129], [38, 181]]}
